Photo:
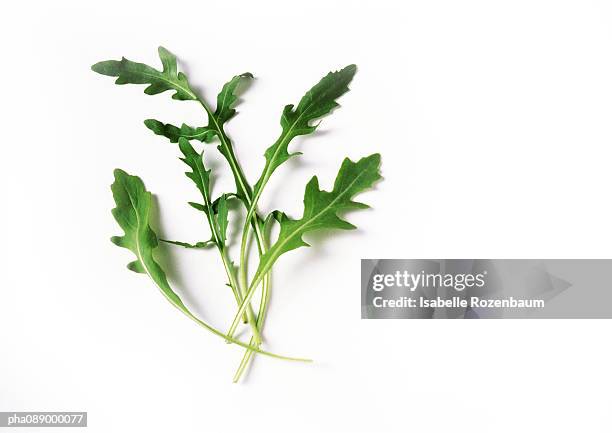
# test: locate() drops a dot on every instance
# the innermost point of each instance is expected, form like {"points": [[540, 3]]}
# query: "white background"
{"points": [[493, 120]]}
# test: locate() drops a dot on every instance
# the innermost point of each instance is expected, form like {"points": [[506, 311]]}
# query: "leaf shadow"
{"points": [[211, 164], [163, 255], [166, 258], [319, 244]]}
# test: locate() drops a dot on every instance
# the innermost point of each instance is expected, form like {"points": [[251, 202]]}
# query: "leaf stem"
{"points": [[181, 307], [244, 191], [201, 177], [248, 354], [246, 302], [261, 315], [283, 140], [252, 210], [250, 316]]}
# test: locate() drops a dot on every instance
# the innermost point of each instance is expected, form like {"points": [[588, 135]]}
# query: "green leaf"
{"points": [[197, 206], [197, 245], [320, 212], [132, 213], [224, 111], [321, 208], [227, 98], [222, 220], [199, 175], [128, 72], [227, 196], [169, 78], [173, 133], [316, 103], [273, 216]]}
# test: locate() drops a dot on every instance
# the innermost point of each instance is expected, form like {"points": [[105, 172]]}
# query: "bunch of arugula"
{"points": [[134, 205]]}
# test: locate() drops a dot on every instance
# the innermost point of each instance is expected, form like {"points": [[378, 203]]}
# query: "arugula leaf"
{"points": [[321, 207], [128, 72], [319, 101], [173, 133], [217, 221], [227, 197], [320, 212], [224, 111], [197, 245], [227, 98], [222, 220], [215, 204], [275, 215], [197, 206], [216, 211], [199, 175], [132, 213]]}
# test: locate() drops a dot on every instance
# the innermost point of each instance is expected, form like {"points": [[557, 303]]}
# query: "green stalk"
{"points": [[265, 295], [244, 191], [240, 343], [243, 188], [261, 315], [250, 315], [179, 305], [248, 354], [246, 300], [252, 209], [283, 140], [263, 304]]}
